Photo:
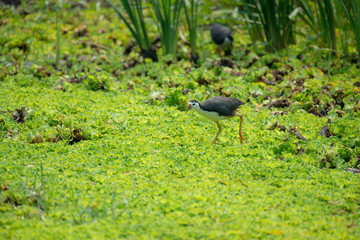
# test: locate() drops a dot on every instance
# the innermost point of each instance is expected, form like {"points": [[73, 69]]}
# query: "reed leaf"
{"points": [[272, 21], [58, 43], [352, 10], [167, 13], [191, 13], [320, 17], [136, 24]]}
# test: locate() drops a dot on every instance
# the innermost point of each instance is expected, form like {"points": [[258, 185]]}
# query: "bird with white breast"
{"points": [[222, 37], [218, 108]]}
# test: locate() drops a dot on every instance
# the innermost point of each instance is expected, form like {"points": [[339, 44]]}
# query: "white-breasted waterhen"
{"points": [[218, 108], [222, 37]]}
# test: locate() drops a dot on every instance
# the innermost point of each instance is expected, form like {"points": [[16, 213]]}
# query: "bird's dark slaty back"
{"points": [[224, 106], [219, 33]]}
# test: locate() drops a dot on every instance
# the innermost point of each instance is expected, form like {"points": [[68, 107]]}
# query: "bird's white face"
{"points": [[192, 104]]}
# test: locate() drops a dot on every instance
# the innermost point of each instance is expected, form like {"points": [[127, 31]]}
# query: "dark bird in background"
{"points": [[222, 37], [218, 108]]}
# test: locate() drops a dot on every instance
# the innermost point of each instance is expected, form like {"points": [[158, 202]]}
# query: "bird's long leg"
{"points": [[240, 132], [217, 132], [241, 120]]}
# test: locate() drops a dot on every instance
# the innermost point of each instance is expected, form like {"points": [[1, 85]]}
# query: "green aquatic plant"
{"points": [[191, 13], [273, 21], [136, 24], [320, 17], [352, 12], [167, 13]]}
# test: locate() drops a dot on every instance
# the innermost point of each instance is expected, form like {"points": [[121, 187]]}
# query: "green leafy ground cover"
{"points": [[106, 150]]}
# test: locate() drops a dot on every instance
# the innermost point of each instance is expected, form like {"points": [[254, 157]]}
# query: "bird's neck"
{"points": [[200, 110]]}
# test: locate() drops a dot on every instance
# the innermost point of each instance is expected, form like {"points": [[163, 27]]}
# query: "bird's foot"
{"points": [[242, 139]]}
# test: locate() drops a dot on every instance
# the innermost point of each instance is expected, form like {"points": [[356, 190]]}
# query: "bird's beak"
{"points": [[188, 108]]}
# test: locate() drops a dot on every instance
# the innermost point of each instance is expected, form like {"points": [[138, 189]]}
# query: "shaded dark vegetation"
{"points": [[11, 2]]}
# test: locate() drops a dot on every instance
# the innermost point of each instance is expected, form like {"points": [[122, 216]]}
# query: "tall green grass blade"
{"points": [[320, 17], [142, 23], [308, 17], [329, 8], [58, 46], [167, 13], [276, 18], [135, 22], [127, 23], [191, 14], [253, 26], [352, 10]]}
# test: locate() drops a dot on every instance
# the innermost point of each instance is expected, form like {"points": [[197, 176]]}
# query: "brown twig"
{"points": [[293, 130]]}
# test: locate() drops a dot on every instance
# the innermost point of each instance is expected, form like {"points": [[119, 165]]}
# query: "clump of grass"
{"points": [[20, 114], [191, 13], [77, 135], [136, 24], [352, 10], [99, 81], [273, 21], [167, 13], [329, 158], [321, 20]]}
